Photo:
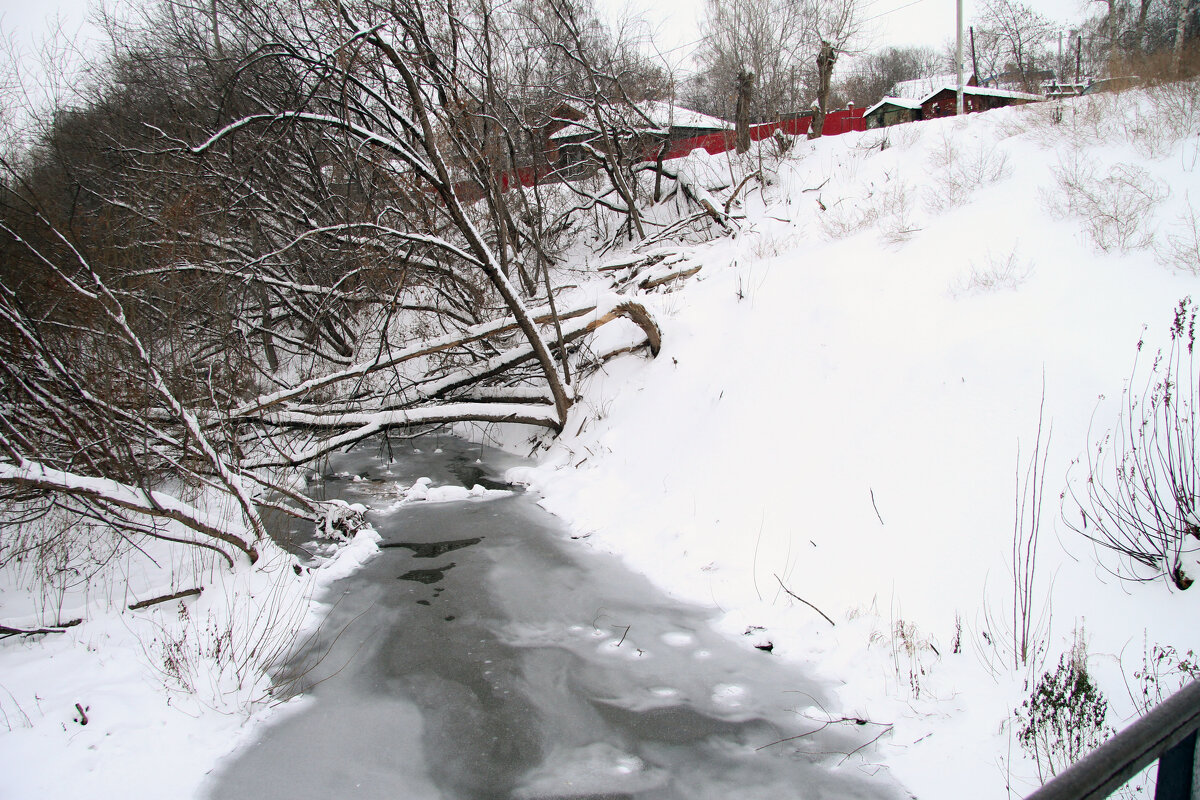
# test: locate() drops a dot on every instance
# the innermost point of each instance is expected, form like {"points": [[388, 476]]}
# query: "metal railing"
{"points": [[1166, 734]]}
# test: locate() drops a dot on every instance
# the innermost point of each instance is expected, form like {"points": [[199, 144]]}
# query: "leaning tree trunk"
{"points": [[745, 92], [826, 58]]}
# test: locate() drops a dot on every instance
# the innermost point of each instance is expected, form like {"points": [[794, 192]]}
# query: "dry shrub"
{"points": [[1181, 248], [996, 273], [1156, 68], [849, 216], [1065, 716], [961, 172], [1164, 672], [54, 554], [1112, 205], [890, 209], [912, 654], [1140, 495], [1153, 119]]}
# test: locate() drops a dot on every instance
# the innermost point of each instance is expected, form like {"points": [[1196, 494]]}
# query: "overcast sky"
{"points": [[29, 21], [676, 22], [890, 22]]}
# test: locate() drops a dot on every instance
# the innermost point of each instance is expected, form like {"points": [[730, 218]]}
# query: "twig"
{"points": [[738, 188], [866, 744], [825, 723], [875, 507], [802, 600], [166, 598]]}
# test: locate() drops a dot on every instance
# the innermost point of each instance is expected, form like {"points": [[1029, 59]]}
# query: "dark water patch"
{"points": [[433, 549], [432, 575], [471, 472]]}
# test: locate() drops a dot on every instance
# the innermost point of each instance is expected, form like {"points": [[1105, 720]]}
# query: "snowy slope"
{"points": [[843, 392]]}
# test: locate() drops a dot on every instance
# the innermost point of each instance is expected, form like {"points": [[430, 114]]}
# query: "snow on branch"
{"points": [[525, 405], [606, 310], [107, 492], [364, 425]]}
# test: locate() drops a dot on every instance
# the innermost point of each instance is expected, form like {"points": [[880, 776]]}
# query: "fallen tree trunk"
{"points": [[9, 630], [518, 407], [166, 598]]}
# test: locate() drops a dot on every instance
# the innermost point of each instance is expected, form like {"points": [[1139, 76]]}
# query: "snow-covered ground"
{"points": [[847, 395], [140, 703]]}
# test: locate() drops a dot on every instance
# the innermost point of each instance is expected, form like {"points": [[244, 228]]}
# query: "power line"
{"points": [[893, 11], [682, 46]]}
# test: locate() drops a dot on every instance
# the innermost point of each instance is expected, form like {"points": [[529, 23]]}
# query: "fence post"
{"points": [[1176, 769]]}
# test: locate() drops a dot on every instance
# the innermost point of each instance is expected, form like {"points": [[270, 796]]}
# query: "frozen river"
{"points": [[485, 654]]}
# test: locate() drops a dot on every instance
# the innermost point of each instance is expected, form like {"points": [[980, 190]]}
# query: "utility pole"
{"points": [[958, 60], [974, 60], [1078, 58], [1058, 65]]}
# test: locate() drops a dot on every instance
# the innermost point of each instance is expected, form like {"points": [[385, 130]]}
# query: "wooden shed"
{"points": [[892, 111], [943, 102]]}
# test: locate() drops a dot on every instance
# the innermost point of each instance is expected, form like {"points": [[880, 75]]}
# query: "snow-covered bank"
{"points": [[849, 389], [140, 703]]}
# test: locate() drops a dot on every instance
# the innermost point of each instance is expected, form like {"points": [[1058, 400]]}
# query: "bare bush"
{"points": [[890, 209], [1181, 248], [1163, 672], [911, 652], [1112, 205], [1153, 119], [849, 216], [223, 656], [1016, 636], [1142, 480], [996, 273], [1065, 716], [958, 174]]}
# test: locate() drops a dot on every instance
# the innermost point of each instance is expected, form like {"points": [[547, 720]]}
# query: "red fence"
{"points": [[836, 123]]}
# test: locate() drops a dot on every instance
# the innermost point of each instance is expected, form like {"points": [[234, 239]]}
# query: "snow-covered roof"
{"points": [[917, 88], [661, 115], [983, 91], [901, 102]]}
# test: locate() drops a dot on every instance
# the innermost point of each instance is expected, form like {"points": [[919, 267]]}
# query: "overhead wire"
{"points": [[894, 10]]}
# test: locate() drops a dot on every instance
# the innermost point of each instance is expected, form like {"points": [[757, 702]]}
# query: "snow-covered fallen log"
{"points": [[200, 527]]}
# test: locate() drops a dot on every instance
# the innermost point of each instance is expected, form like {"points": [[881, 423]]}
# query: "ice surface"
{"points": [[594, 770]]}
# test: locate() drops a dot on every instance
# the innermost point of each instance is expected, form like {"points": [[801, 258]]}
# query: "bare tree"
{"points": [[790, 47], [876, 74], [765, 38], [834, 27], [276, 232], [1016, 38]]}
